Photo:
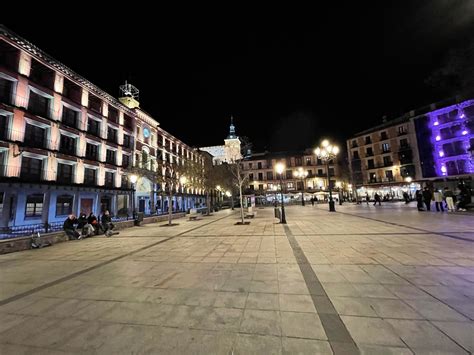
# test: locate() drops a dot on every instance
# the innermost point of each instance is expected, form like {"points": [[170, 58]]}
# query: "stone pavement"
{"points": [[371, 280]]}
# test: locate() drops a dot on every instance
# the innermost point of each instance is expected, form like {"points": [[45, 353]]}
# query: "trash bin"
{"points": [[138, 218]]}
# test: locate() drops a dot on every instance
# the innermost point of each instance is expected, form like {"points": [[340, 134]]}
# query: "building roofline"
{"points": [[36, 52]]}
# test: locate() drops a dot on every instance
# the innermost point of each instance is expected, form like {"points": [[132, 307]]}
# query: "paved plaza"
{"points": [[370, 280]]}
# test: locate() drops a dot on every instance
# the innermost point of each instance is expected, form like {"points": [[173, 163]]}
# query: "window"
{"points": [[109, 179], [113, 114], [387, 161], [250, 165], [70, 117], [95, 103], [128, 122], [72, 91], [125, 161], [369, 152], [354, 143], [310, 173], [110, 156], [289, 174], [39, 105], [269, 175], [259, 165], [331, 171], [368, 140], [64, 205], [250, 177], [251, 187], [298, 161], [67, 145], [389, 175], [34, 205], [1, 201], [93, 127], [64, 173], [260, 176], [385, 147], [291, 185], [92, 151], [3, 125], [90, 176], [320, 172], [6, 90], [127, 141], [260, 187], [383, 136], [404, 143], [372, 177], [112, 135], [35, 136], [370, 163], [319, 162], [31, 168], [355, 155], [402, 130], [308, 161]]}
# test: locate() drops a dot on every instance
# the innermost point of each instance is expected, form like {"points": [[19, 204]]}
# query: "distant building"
{"points": [[259, 168], [227, 153]]}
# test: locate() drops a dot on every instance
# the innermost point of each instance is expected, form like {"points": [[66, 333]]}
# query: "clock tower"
{"points": [[232, 144]]}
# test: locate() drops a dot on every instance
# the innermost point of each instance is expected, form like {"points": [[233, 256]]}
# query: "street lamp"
{"points": [[280, 168], [133, 180], [326, 152], [183, 180], [301, 174]]}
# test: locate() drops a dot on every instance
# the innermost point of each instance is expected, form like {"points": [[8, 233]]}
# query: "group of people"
{"points": [[87, 226], [443, 199]]}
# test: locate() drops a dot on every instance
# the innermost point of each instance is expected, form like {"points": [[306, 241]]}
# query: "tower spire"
{"points": [[231, 129]]}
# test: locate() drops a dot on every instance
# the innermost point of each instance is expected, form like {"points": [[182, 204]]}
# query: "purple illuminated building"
{"points": [[452, 138]]}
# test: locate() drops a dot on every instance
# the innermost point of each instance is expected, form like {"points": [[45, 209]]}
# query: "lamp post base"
{"points": [[332, 208]]}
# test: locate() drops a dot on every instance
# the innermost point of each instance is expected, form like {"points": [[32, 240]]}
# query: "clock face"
{"points": [[146, 132]]}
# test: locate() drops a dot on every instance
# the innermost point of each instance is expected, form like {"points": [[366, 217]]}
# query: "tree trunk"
{"points": [[170, 206], [241, 204]]}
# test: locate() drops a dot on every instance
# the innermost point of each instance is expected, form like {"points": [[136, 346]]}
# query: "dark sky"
{"points": [[287, 83]]}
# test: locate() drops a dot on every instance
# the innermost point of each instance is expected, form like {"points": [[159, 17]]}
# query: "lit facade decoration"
{"points": [[452, 137], [65, 145]]}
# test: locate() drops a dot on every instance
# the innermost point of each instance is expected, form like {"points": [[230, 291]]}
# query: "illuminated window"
{"points": [[34, 205]]}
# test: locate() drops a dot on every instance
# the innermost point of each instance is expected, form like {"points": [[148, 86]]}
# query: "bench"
{"points": [[193, 214]]}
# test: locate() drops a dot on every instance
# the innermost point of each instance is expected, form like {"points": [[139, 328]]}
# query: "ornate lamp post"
{"points": [[280, 168], [183, 180], [133, 180], [327, 152], [301, 174]]}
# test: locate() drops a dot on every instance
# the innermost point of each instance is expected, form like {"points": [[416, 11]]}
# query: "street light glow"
{"points": [[280, 168], [183, 180], [133, 178], [408, 179], [325, 143]]}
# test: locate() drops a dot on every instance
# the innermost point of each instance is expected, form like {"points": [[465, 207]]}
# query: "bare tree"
{"points": [[236, 168]]}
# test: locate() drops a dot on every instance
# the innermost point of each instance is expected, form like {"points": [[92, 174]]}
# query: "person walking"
{"points": [[406, 197], [419, 200], [312, 201], [427, 196], [448, 196], [377, 199], [367, 198], [438, 198]]}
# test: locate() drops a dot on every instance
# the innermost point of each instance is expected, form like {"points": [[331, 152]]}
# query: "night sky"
{"points": [[286, 84]]}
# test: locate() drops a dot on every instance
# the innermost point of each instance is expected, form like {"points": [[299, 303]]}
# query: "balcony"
{"points": [[404, 147], [402, 133], [387, 163], [369, 154]]}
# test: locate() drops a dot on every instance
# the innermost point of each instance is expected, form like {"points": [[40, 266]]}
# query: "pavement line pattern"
{"points": [[94, 267], [339, 337], [414, 228]]}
